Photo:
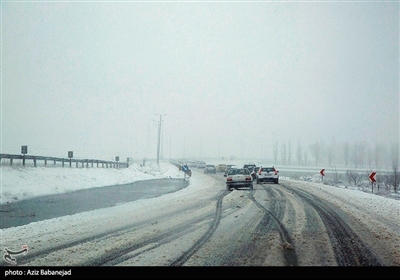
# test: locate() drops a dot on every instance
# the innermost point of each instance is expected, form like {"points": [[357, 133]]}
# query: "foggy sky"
{"points": [[228, 78]]}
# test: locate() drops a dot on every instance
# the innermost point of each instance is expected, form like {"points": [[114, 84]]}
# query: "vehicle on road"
{"points": [[201, 164], [238, 178], [249, 166], [221, 167], [229, 167], [267, 174], [210, 168]]}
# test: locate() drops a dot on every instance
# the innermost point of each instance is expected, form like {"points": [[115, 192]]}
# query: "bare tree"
{"points": [[332, 152], [299, 153], [322, 146], [353, 177], [395, 166], [377, 155], [358, 154], [305, 158], [335, 175], [346, 153], [315, 150], [354, 155], [275, 151], [361, 150], [283, 153], [370, 157]]}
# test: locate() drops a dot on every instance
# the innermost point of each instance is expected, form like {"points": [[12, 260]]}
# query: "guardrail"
{"points": [[69, 161]]}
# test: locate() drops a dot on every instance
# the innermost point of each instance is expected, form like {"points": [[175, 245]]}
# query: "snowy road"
{"points": [[291, 224]]}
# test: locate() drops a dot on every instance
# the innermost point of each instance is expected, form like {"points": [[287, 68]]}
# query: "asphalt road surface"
{"points": [[290, 224]]}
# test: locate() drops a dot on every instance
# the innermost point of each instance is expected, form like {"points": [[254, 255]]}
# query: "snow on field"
{"points": [[19, 183]]}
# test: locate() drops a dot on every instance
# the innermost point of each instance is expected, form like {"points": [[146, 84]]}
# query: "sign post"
{"points": [[322, 172], [186, 170], [117, 159], [70, 155], [24, 150], [372, 177]]}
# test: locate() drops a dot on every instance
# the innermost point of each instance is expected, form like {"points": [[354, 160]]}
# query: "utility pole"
{"points": [[170, 141], [159, 138]]}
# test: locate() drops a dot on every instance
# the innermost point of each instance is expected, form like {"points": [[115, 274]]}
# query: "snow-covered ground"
{"points": [[19, 183]]}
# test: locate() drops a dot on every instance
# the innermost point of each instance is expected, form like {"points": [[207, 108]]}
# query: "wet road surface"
{"points": [[58, 205]]}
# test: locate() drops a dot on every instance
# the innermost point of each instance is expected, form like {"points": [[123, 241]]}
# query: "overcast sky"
{"points": [[227, 77]]}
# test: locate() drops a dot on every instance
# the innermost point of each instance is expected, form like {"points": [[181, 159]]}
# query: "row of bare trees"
{"points": [[360, 154]]}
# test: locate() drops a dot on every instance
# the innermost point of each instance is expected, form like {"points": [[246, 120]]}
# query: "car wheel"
{"points": [[276, 181]]}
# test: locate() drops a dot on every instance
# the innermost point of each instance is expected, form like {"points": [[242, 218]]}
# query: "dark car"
{"points": [[210, 168], [250, 167], [229, 167]]}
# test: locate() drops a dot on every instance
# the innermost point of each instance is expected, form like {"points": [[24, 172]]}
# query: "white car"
{"points": [[238, 178], [221, 167], [267, 174]]}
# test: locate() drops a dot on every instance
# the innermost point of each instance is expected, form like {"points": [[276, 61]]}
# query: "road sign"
{"points": [[70, 154], [322, 172], [372, 177], [24, 149]]}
